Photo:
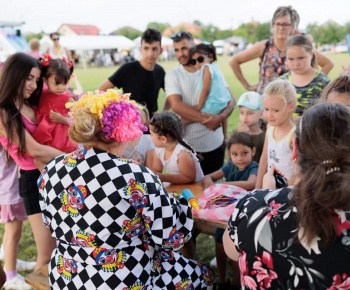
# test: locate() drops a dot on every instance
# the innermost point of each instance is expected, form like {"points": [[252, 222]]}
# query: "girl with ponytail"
{"points": [[172, 151], [299, 238]]}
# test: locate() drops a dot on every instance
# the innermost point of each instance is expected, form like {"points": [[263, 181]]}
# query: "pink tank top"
{"points": [[26, 162]]}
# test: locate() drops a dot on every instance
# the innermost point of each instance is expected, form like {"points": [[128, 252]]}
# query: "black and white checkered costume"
{"points": [[115, 226]]}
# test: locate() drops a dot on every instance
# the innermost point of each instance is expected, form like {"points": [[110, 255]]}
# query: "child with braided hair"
{"points": [[172, 151]]}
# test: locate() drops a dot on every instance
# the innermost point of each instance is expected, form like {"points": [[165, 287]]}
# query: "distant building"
{"points": [[76, 29]]}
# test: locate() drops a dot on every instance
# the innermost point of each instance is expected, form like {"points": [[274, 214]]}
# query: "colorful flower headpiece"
{"points": [[119, 116]]}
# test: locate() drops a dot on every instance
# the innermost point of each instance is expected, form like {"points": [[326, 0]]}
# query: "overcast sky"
{"points": [[109, 15]]}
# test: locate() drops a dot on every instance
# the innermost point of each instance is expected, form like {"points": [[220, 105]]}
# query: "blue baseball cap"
{"points": [[251, 100]]}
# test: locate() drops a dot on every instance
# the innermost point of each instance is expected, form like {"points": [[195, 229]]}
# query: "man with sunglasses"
{"points": [[57, 50], [203, 131], [144, 78]]}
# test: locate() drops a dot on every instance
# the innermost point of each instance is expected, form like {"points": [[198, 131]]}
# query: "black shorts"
{"points": [[28, 190]]}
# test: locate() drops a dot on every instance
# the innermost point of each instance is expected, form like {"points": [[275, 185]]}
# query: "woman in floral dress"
{"points": [[299, 238], [114, 224]]}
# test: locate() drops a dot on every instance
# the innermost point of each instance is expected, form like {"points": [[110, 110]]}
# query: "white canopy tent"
{"points": [[86, 43], [166, 41], [91, 42]]}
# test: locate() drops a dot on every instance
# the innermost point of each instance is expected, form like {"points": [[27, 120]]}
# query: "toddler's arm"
{"points": [[205, 90], [58, 118], [262, 165], [247, 185], [149, 158], [209, 179], [157, 166]]}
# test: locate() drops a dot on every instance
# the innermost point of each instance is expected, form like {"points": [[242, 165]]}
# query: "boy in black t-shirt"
{"points": [[144, 78]]}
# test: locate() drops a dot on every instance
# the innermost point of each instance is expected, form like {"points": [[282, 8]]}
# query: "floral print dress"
{"points": [[263, 227], [115, 226]]}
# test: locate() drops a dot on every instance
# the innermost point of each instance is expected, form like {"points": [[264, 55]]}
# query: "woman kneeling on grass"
{"points": [[299, 238], [114, 224]]}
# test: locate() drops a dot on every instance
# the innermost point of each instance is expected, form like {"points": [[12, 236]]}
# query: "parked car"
{"points": [[342, 47]]}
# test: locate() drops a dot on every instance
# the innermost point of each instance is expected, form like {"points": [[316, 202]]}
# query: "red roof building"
{"points": [[76, 29]]}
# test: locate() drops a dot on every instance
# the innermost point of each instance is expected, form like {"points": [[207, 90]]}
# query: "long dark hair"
{"points": [[169, 124], [323, 136], [14, 75]]}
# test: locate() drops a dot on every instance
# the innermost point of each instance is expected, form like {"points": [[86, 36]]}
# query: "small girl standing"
{"points": [[240, 171], [12, 214], [142, 148], [214, 95], [52, 114], [279, 101], [304, 75], [172, 152]]}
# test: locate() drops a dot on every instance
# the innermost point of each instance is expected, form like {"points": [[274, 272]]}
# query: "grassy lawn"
{"points": [[91, 78]]}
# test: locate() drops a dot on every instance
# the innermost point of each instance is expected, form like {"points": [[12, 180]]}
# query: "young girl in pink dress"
{"points": [[52, 114], [12, 214]]}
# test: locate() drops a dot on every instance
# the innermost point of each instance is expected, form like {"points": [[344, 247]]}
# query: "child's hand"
{"points": [[58, 118], [207, 181], [269, 181], [242, 128]]}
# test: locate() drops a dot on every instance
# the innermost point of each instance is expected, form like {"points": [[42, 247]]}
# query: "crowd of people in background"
{"points": [[91, 166]]}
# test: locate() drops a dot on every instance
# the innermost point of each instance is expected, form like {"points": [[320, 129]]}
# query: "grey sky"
{"points": [[109, 15]]}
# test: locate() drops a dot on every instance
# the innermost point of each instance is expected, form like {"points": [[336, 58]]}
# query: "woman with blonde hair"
{"points": [[114, 224]]}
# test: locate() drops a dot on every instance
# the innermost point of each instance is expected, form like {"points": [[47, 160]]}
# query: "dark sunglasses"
{"points": [[180, 35], [200, 59], [55, 39]]}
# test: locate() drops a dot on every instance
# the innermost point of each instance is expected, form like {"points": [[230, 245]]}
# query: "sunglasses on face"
{"points": [[200, 59], [56, 39], [180, 35]]}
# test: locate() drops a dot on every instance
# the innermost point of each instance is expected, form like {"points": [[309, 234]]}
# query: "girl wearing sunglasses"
{"points": [[214, 95]]}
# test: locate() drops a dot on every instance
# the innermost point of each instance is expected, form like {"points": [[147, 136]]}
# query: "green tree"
{"points": [[253, 32], [28, 37], [157, 25], [209, 33], [129, 32]]}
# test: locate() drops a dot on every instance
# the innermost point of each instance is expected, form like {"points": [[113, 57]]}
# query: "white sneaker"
{"points": [[2, 252], [23, 265], [213, 263], [17, 283]]}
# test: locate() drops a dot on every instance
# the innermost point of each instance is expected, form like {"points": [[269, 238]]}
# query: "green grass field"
{"points": [[91, 78]]}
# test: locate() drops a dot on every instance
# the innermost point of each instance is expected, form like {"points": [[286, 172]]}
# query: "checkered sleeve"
{"points": [[171, 219], [43, 182]]}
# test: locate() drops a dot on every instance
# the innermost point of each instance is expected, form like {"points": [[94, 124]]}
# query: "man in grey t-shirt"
{"points": [[203, 131]]}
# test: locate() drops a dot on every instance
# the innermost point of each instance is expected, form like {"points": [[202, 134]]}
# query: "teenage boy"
{"points": [[144, 78]]}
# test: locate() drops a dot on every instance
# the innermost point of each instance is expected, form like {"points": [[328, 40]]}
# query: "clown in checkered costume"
{"points": [[114, 224]]}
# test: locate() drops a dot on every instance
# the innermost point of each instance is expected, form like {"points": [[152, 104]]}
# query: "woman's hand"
{"points": [[269, 181], [252, 87]]}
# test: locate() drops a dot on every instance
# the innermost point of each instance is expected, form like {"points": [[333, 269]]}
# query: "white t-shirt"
{"points": [[171, 163], [179, 81], [279, 152], [139, 152]]}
